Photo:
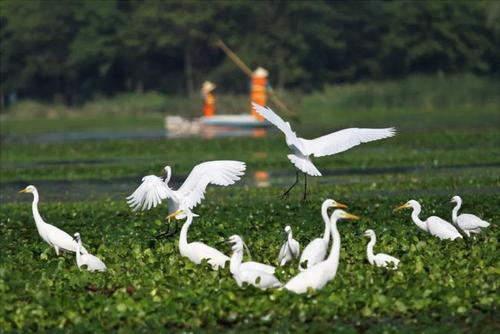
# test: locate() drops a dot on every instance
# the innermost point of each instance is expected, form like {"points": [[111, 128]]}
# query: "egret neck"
{"points": [[36, 215], [454, 213], [326, 219], [369, 249], [414, 216], [183, 243], [333, 258]]}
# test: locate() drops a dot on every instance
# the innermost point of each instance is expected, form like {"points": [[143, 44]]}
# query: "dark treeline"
{"points": [[74, 50]]}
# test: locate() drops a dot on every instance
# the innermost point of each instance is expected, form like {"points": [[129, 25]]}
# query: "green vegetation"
{"points": [[447, 144], [73, 53]]}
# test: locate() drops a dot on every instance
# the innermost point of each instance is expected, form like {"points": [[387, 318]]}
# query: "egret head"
{"points": [[288, 229], [182, 214], [456, 199], [331, 203], [76, 236], [28, 189], [341, 214], [410, 204], [369, 233]]}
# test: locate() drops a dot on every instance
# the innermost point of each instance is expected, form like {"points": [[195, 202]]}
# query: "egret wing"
{"points": [[343, 140], [468, 221], [442, 229], [61, 239], [285, 127], [149, 194], [219, 172]]}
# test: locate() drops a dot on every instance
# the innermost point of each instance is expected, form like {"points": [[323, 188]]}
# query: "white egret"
{"points": [[317, 276], [52, 235], [197, 251], [434, 225], [92, 262], [467, 222], [249, 274], [332, 143], [380, 259], [290, 249], [154, 189], [315, 251], [250, 265]]}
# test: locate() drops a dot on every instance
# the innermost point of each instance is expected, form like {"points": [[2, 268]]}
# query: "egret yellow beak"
{"points": [[404, 206], [349, 216], [340, 205], [25, 190], [173, 214]]}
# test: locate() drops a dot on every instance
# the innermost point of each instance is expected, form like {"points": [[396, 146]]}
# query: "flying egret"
{"points": [[381, 259], [434, 225], [467, 222], [317, 276], [92, 262], [52, 235], [250, 265], [197, 251], [250, 274], [315, 251], [290, 249], [154, 189], [332, 143]]}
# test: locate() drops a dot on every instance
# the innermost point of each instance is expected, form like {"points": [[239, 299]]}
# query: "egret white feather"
{"points": [[380, 259], [434, 225], [153, 189], [467, 222], [52, 235]]}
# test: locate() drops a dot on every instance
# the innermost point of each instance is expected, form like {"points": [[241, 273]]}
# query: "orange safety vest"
{"points": [[209, 105], [258, 94]]}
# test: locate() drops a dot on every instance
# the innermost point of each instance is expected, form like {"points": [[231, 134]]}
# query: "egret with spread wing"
{"points": [[154, 189], [467, 222], [332, 143]]}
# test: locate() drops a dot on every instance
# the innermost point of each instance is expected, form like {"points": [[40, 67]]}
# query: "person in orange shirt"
{"points": [[209, 98], [258, 90]]}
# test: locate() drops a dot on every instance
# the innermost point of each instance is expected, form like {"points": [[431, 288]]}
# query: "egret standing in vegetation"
{"points": [[154, 189], [434, 225], [317, 276], [315, 251], [93, 263], [197, 251], [381, 259], [290, 249], [467, 222], [52, 235], [251, 265], [249, 274], [332, 143]]}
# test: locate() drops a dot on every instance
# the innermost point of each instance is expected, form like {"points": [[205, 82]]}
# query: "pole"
{"points": [[237, 60]]}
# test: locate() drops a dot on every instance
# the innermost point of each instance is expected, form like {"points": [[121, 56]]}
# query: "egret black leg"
{"points": [[286, 193], [164, 234], [305, 188]]}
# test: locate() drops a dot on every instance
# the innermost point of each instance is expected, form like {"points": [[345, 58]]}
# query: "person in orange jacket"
{"points": [[258, 90], [208, 98]]}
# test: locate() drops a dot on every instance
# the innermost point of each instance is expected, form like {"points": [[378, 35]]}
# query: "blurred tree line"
{"points": [[75, 50]]}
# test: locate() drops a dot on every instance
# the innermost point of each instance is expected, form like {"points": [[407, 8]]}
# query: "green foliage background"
{"points": [[447, 144], [72, 51]]}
